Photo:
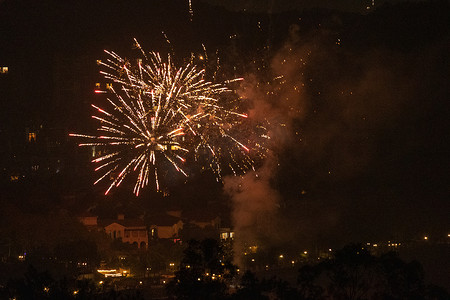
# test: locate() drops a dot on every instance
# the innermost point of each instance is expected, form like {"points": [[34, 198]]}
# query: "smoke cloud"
{"points": [[354, 138]]}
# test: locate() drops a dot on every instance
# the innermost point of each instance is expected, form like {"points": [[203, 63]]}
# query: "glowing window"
{"points": [[109, 86], [97, 85], [4, 70], [224, 235], [31, 137]]}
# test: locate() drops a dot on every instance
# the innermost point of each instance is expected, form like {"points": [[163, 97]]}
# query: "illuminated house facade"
{"points": [[132, 231]]}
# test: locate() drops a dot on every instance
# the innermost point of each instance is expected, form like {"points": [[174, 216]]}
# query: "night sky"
{"points": [[359, 121]]}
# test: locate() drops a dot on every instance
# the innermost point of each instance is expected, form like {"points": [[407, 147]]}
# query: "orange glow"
{"points": [[31, 137]]}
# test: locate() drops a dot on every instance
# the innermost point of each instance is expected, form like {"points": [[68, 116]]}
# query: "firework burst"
{"points": [[158, 113]]}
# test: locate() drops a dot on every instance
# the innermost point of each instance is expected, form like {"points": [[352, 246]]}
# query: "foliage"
{"points": [[161, 254], [356, 274], [204, 273]]}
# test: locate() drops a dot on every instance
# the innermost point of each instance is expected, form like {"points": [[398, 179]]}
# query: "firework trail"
{"points": [[160, 113]]}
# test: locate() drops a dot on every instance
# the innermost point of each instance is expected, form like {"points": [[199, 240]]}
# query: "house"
{"points": [[132, 231], [202, 219], [164, 226], [88, 219], [226, 233]]}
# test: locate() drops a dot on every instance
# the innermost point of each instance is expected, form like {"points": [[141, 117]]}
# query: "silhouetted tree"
{"points": [[250, 288], [204, 272], [354, 273]]}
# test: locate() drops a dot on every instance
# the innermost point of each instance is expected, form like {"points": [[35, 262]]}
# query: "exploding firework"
{"points": [[160, 116]]}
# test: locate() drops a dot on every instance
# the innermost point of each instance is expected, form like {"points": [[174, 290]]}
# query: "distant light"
{"points": [[281, 256], [305, 252], [425, 238]]}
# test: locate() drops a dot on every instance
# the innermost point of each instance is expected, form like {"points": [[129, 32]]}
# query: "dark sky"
{"points": [[359, 119], [285, 5]]}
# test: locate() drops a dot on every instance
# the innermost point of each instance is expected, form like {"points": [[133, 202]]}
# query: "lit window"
{"points": [[32, 137], [4, 70], [109, 86], [97, 85], [224, 235], [99, 61]]}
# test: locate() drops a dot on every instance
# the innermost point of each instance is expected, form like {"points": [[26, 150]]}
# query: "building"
{"points": [[89, 220], [165, 226], [226, 233], [202, 219], [132, 231]]}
